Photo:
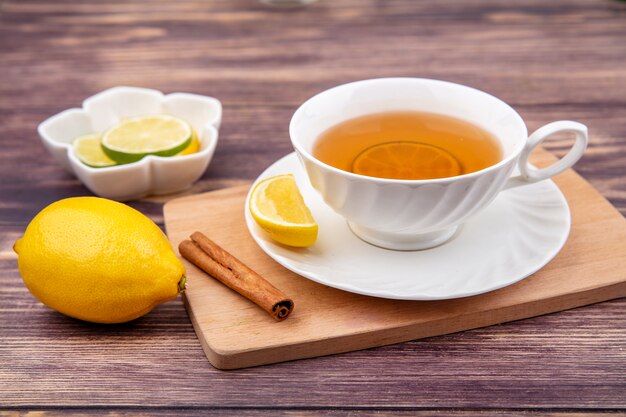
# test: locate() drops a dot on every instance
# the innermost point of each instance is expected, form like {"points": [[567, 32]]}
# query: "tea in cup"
{"points": [[407, 160]]}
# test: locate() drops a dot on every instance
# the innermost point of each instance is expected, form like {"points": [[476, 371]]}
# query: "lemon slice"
{"points": [[194, 145], [278, 207], [406, 161], [136, 137], [88, 148]]}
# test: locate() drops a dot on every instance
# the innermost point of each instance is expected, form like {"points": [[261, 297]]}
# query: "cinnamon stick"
{"points": [[221, 265]]}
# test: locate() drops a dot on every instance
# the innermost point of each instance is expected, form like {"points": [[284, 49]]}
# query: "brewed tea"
{"points": [[407, 145]]}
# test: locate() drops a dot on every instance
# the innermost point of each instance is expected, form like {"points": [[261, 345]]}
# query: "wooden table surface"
{"points": [[551, 60]]}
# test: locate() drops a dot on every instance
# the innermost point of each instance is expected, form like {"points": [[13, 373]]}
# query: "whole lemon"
{"points": [[98, 260]]}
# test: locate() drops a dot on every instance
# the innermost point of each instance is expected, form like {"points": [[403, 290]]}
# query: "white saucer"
{"points": [[516, 235]]}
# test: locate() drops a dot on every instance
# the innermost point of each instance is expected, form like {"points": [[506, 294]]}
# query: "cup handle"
{"points": [[530, 174]]}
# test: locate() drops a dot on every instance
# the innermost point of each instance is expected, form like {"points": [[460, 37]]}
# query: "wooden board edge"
{"points": [[343, 344], [571, 175], [214, 358], [169, 205]]}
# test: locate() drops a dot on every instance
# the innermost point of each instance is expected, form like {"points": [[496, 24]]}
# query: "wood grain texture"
{"points": [[331, 321], [347, 412], [563, 59], [239, 412]]}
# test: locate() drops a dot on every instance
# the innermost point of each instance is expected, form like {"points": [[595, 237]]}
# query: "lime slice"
{"points": [[88, 148], [136, 137]]}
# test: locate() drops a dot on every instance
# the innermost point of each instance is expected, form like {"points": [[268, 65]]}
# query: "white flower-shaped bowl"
{"points": [[152, 174]]}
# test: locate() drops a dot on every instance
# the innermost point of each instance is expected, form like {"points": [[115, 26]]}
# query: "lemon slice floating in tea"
{"points": [[406, 161], [278, 207], [88, 148], [136, 137]]}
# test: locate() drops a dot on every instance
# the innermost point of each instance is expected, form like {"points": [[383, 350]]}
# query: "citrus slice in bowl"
{"points": [[194, 145], [406, 161], [137, 137], [88, 148], [278, 208]]}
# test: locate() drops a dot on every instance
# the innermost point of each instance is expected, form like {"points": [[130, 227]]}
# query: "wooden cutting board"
{"points": [[235, 333]]}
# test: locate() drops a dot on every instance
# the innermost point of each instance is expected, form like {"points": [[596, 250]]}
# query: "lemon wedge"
{"points": [[136, 137], [88, 148], [194, 145], [278, 207]]}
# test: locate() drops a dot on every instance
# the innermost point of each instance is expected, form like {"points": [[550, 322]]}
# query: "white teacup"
{"points": [[419, 214]]}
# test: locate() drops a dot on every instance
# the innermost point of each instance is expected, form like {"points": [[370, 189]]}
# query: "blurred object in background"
{"points": [[287, 3]]}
